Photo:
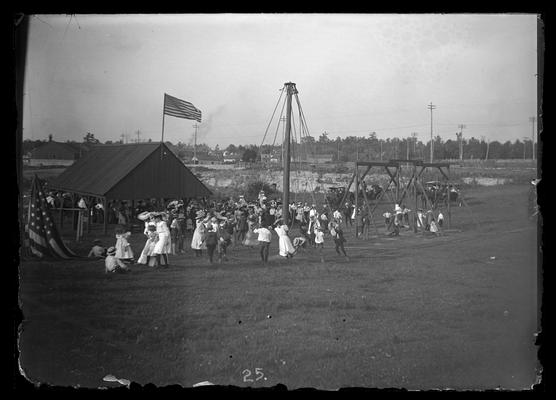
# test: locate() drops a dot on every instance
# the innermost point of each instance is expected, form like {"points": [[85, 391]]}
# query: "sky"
{"points": [[355, 74]]}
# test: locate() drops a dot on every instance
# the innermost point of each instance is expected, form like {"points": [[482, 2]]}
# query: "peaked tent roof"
{"points": [[131, 171]]}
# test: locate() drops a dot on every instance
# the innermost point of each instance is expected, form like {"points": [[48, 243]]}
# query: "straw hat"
{"points": [[144, 216], [111, 251]]}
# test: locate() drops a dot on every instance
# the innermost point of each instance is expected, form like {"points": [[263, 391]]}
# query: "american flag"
{"points": [[180, 108], [44, 240]]}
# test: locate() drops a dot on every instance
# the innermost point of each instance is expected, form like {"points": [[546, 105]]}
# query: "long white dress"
{"points": [[163, 245], [123, 249], [197, 242], [148, 250], [284, 241]]}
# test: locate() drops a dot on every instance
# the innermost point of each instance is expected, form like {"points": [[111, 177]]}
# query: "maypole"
{"points": [[290, 89]]}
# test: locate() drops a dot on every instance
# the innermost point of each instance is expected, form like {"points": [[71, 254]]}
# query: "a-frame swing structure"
{"points": [[413, 187]]}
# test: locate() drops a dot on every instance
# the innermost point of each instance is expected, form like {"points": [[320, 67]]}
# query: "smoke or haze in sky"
{"points": [[355, 73]]}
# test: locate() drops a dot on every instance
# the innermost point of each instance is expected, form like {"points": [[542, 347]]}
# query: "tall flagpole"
{"points": [[162, 137]]}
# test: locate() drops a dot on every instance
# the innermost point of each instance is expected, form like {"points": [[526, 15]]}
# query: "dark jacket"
{"points": [[211, 239]]}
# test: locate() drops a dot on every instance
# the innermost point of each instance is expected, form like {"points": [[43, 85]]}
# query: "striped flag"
{"points": [[44, 240], [180, 108]]}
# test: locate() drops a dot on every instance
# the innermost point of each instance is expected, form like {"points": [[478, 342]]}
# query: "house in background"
{"points": [[57, 154]]}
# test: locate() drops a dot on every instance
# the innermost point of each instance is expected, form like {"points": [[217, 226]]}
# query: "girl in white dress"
{"points": [[286, 247], [197, 242], [163, 245], [123, 248], [147, 256]]}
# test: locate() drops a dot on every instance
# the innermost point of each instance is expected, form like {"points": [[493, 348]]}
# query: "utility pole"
{"points": [[195, 142], [532, 120], [524, 146], [460, 137], [138, 133], [431, 107], [407, 148]]}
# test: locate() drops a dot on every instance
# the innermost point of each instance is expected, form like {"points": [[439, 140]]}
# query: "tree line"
{"points": [[353, 148]]}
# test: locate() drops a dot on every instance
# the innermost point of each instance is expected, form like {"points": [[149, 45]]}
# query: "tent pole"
{"points": [[105, 215], [89, 214], [73, 223], [61, 212]]}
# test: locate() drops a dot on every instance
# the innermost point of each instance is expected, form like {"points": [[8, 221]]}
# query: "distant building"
{"points": [[57, 153]]}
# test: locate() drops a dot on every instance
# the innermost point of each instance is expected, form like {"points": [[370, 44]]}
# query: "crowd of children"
{"points": [[215, 227]]}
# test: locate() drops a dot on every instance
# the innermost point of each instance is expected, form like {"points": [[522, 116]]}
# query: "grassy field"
{"points": [[415, 312]]}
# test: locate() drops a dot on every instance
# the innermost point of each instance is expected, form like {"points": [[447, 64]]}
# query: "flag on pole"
{"points": [[44, 239], [180, 108]]}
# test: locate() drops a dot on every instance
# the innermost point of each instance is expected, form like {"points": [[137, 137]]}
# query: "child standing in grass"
{"points": [[286, 248], [210, 241], [123, 248], [146, 256], [319, 242], [338, 237], [440, 219], [224, 240], [265, 237]]}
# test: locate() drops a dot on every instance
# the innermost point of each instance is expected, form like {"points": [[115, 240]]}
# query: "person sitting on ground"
{"points": [[97, 250], [113, 264]]}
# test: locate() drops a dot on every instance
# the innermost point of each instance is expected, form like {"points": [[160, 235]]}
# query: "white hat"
{"points": [[145, 215]]}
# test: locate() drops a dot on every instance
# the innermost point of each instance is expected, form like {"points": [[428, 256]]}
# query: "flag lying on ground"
{"points": [[44, 239], [180, 108]]}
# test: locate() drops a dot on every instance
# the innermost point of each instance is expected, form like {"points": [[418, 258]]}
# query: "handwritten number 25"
{"points": [[247, 373]]}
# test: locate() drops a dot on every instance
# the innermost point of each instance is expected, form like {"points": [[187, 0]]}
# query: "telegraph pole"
{"points": [[431, 107], [460, 137], [532, 120], [138, 133], [195, 142]]}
